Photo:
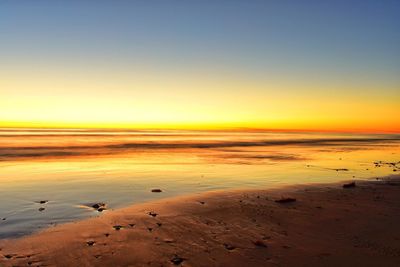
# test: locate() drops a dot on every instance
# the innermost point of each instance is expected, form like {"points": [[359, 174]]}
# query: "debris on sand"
{"points": [[285, 200], [42, 201], [349, 185], [156, 190], [176, 260], [8, 256], [260, 243], [41, 209]]}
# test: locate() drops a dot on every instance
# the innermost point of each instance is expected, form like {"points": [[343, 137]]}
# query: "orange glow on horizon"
{"points": [[216, 101]]}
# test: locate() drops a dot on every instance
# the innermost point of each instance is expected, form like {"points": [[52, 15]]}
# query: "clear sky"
{"points": [[329, 65]]}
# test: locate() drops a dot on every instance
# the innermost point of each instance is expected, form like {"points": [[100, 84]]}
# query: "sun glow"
{"points": [[189, 104]]}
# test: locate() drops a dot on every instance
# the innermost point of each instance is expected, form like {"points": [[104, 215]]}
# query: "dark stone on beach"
{"points": [[8, 256], [156, 190], [41, 209], [4, 219], [131, 224], [98, 205], [343, 170], [349, 185], [153, 214], [176, 260], [285, 200], [90, 243], [159, 224], [107, 234], [202, 202], [229, 246], [42, 201], [118, 227], [260, 243]]}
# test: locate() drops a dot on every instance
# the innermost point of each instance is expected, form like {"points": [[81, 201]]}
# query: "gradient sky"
{"points": [[329, 65]]}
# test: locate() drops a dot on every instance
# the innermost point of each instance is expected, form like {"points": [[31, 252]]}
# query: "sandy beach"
{"points": [[308, 225]]}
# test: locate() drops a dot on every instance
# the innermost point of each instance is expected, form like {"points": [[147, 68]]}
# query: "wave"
{"points": [[40, 151]]}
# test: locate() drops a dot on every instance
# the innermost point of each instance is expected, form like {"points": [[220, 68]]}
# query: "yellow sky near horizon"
{"points": [[59, 99]]}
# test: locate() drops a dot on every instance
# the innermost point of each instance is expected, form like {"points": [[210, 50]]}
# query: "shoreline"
{"points": [[323, 225]]}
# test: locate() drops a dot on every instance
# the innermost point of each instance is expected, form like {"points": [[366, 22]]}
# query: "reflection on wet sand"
{"points": [[72, 169]]}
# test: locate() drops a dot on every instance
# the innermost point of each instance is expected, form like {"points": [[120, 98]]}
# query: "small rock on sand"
{"points": [[229, 246], [99, 206], [153, 214], [118, 227], [90, 243], [260, 243], [156, 190], [285, 200], [177, 260], [41, 209], [349, 185]]}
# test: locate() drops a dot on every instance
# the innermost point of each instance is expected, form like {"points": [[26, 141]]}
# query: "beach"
{"points": [[306, 225], [200, 133]]}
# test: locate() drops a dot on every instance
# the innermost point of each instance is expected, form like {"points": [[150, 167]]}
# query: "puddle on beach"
{"points": [[70, 171]]}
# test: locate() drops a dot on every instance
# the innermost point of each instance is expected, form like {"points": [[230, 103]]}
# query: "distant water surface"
{"points": [[73, 169]]}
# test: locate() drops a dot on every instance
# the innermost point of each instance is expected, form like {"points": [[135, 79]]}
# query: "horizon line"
{"points": [[203, 129]]}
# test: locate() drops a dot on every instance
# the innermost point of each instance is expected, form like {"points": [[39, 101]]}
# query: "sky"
{"points": [[309, 65]]}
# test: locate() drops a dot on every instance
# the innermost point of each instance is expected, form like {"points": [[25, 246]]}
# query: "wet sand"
{"points": [[316, 225]]}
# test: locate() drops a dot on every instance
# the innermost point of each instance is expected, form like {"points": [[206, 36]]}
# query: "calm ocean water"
{"points": [[72, 169]]}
